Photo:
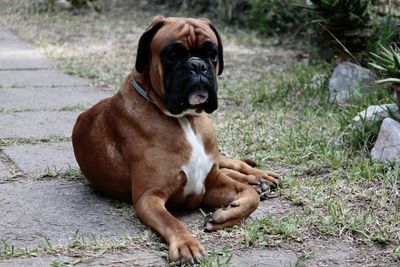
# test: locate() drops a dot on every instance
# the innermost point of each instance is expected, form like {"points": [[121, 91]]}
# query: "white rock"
{"points": [[378, 112], [350, 81], [387, 146]]}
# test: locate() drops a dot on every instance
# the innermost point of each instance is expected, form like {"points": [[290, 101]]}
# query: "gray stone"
{"points": [[4, 172], [264, 257], [378, 112], [387, 146], [36, 78], [56, 209], [50, 97], [37, 123], [36, 158], [350, 81]]}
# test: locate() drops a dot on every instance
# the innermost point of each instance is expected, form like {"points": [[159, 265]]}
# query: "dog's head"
{"points": [[181, 58]]}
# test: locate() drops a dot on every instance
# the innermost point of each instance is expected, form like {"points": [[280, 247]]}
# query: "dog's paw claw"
{"points": [[264, 189], [208, 222]]}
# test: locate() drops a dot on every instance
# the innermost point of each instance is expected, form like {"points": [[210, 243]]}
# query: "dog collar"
{"points": [[140, 90]]}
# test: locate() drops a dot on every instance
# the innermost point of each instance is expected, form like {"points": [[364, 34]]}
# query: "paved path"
{"points": [[44, 202]]}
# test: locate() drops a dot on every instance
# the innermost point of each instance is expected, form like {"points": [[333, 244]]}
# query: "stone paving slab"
{"points": [[36, 78], [50, 97], [127, 257], [137, 257], [264, 257], [9, 41], [20, 58], [17, 54], [57, 209], [44, 261], [4, 172], [59, 156], [37, 123]]}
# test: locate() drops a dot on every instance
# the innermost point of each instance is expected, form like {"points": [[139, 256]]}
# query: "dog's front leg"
{"points": [[183, 247], [243, 172], [235, 200]]}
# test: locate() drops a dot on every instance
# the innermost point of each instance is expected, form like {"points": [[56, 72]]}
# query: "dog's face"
{"points": [[182, 57]]}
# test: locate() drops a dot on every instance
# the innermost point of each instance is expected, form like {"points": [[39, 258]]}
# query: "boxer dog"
{"points": [[153, 144]]}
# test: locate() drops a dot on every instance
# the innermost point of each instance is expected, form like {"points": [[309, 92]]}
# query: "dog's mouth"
{"points": [[199, 97]]}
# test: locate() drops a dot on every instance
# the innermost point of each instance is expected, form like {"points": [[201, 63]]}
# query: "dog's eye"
{"points": [[213, 55], [172, 55], [175, 54]]}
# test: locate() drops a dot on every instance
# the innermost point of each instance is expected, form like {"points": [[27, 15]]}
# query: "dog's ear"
{"points": [[220, 49], [143, 51]]}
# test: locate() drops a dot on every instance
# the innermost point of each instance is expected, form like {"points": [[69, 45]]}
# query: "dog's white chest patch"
{"points": [[200, 163]]}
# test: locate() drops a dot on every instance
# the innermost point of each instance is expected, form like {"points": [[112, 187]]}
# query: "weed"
{"points": [[77, 107], [218, 257], [9, 251], [79, 241], [73, 174], [48, 243], [363, 138], [306, 255], [49, 172], [60, 264], [33, 140], [270, 231]]}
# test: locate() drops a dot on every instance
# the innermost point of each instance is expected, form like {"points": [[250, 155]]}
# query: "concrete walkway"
{"points": [[45, 205]]}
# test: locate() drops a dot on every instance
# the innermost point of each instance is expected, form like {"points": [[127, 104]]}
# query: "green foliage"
{"points": [[274, 17], [267, 229], [361, 137], [267, 17], [218, 258], [387, 61], [387, 29], [348, 21]]}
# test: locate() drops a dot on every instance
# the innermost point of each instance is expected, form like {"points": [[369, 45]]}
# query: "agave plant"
{"points": [[387, 61], [346, 24]]}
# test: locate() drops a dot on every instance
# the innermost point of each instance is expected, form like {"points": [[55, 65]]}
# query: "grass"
{"points": [[81, 247], [33, 140], [70, 174], [274, 109]]}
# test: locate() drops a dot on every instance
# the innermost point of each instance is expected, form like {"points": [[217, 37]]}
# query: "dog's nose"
{"points": [[197, 66]]}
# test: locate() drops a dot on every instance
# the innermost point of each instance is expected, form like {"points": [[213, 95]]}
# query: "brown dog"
{"points": [[152, 143]]}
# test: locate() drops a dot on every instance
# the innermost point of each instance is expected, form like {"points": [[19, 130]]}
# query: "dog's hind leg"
{"points": [[235, 200]]}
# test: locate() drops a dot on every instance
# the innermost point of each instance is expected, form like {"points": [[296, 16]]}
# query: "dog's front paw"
{"points": [[186, 250], [264, 190], [267, 177]]}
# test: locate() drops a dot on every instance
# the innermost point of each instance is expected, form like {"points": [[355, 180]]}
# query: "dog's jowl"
{"points": [[153, 144]]}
